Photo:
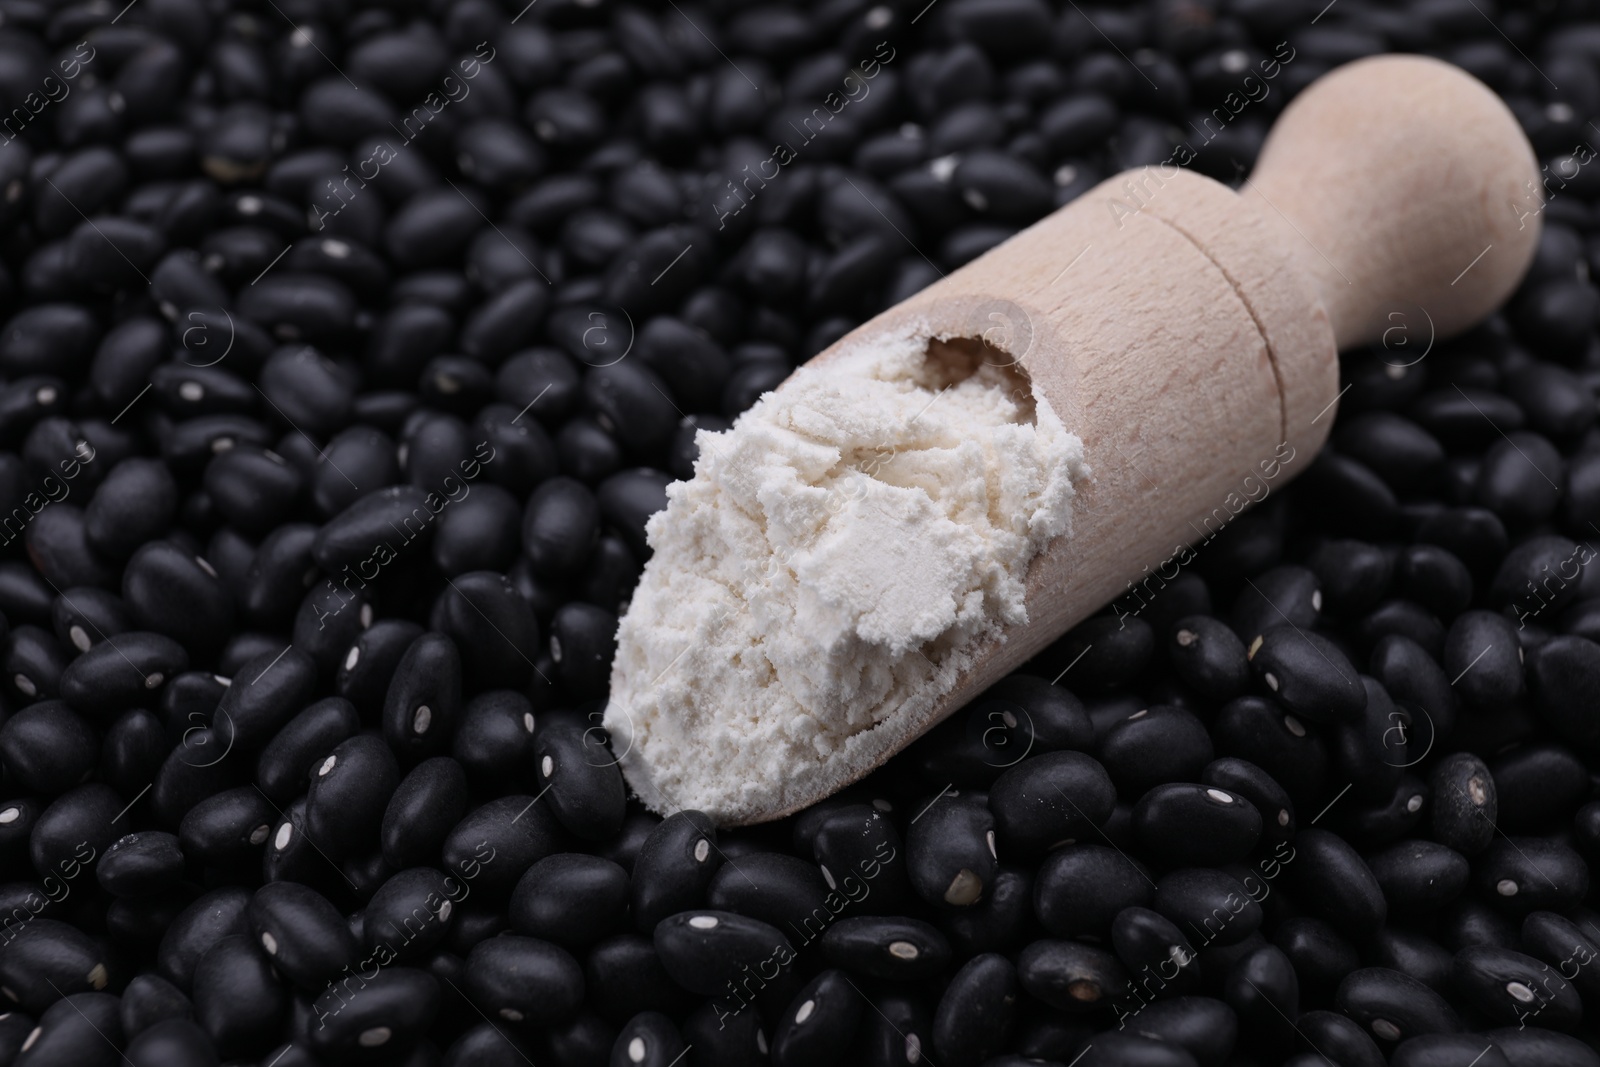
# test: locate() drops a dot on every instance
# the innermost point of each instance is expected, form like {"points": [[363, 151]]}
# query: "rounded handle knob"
{"points": [[1401, 182]]}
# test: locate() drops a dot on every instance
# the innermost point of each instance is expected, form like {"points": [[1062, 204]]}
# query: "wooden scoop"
{"points": [[1189, 334]]}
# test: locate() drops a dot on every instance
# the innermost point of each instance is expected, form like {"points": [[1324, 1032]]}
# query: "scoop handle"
{"points": [[1401, 182]]}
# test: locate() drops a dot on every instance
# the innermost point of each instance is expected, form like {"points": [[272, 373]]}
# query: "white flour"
{"points": [[829, 571]]}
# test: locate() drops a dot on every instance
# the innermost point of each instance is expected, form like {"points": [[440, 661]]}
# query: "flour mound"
{"points": [[829, 571]]}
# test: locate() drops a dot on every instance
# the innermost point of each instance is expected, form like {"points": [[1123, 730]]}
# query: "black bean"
{"points": [[950, 852], [46, 960], [975, 746], [133, 505], [1539, 575], [1523, 874], [237, 999], [674, 868], [582, 643], [1333, 881], [1436, 1050], [424, 698], [570, 899], [1419, 875], [177, 594], [649, 1039], [33, 663], [1508, 987], [1156, 952], [74, 829], [560, 526], [1526, 1046], [121, 671], [1406, 619], [1321, 957], [489, 1045], [276, 579], [47, 748], [270, 688], [1053, 798], [214, 916], [494, 743], [1340, 1037], [1154, 746], [229, 828], [80, 1028], [1394, 1007], [1283, 596], [1208, 658], [858, 845], [1475, 922], [431, 228], [133, 750], [141, 864], [1353, 575], [492, 625], [1434, 578], [1197, 825], [1537, 785], [1307, 673], [1483, 656], [520, 454], [1103, 651], [584, 784], [1520, 479], [610, 578], [428, 803], [495, 843], [1565, 945], [1465, 804], [150, 999], [1413, 954], [1081, 888], [1070, 975], [252, 488], [500, 257], [364, 672], [522, 978], [894, 949], [1263, 989], [1561, 674], [1208, 901], [188, 445], [178, 1042], [1205, 1027], [632, 403], [305, 938], [411, 913], [391, 1010], [348, 793]]}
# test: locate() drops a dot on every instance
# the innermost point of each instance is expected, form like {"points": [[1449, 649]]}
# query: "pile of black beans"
{"points": [[347, 348]]}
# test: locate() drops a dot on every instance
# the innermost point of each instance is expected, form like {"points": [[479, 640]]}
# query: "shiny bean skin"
{"points": [[570, 899], [950, 852], [1209, 901], [427, 804], [301, 933], [286, 764], [391, 1010], [424, 698], [1393, 1007], [1194, 825], [1080, 889], [521, 978], [977, 1011], [674, 868], [890, 949]]}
